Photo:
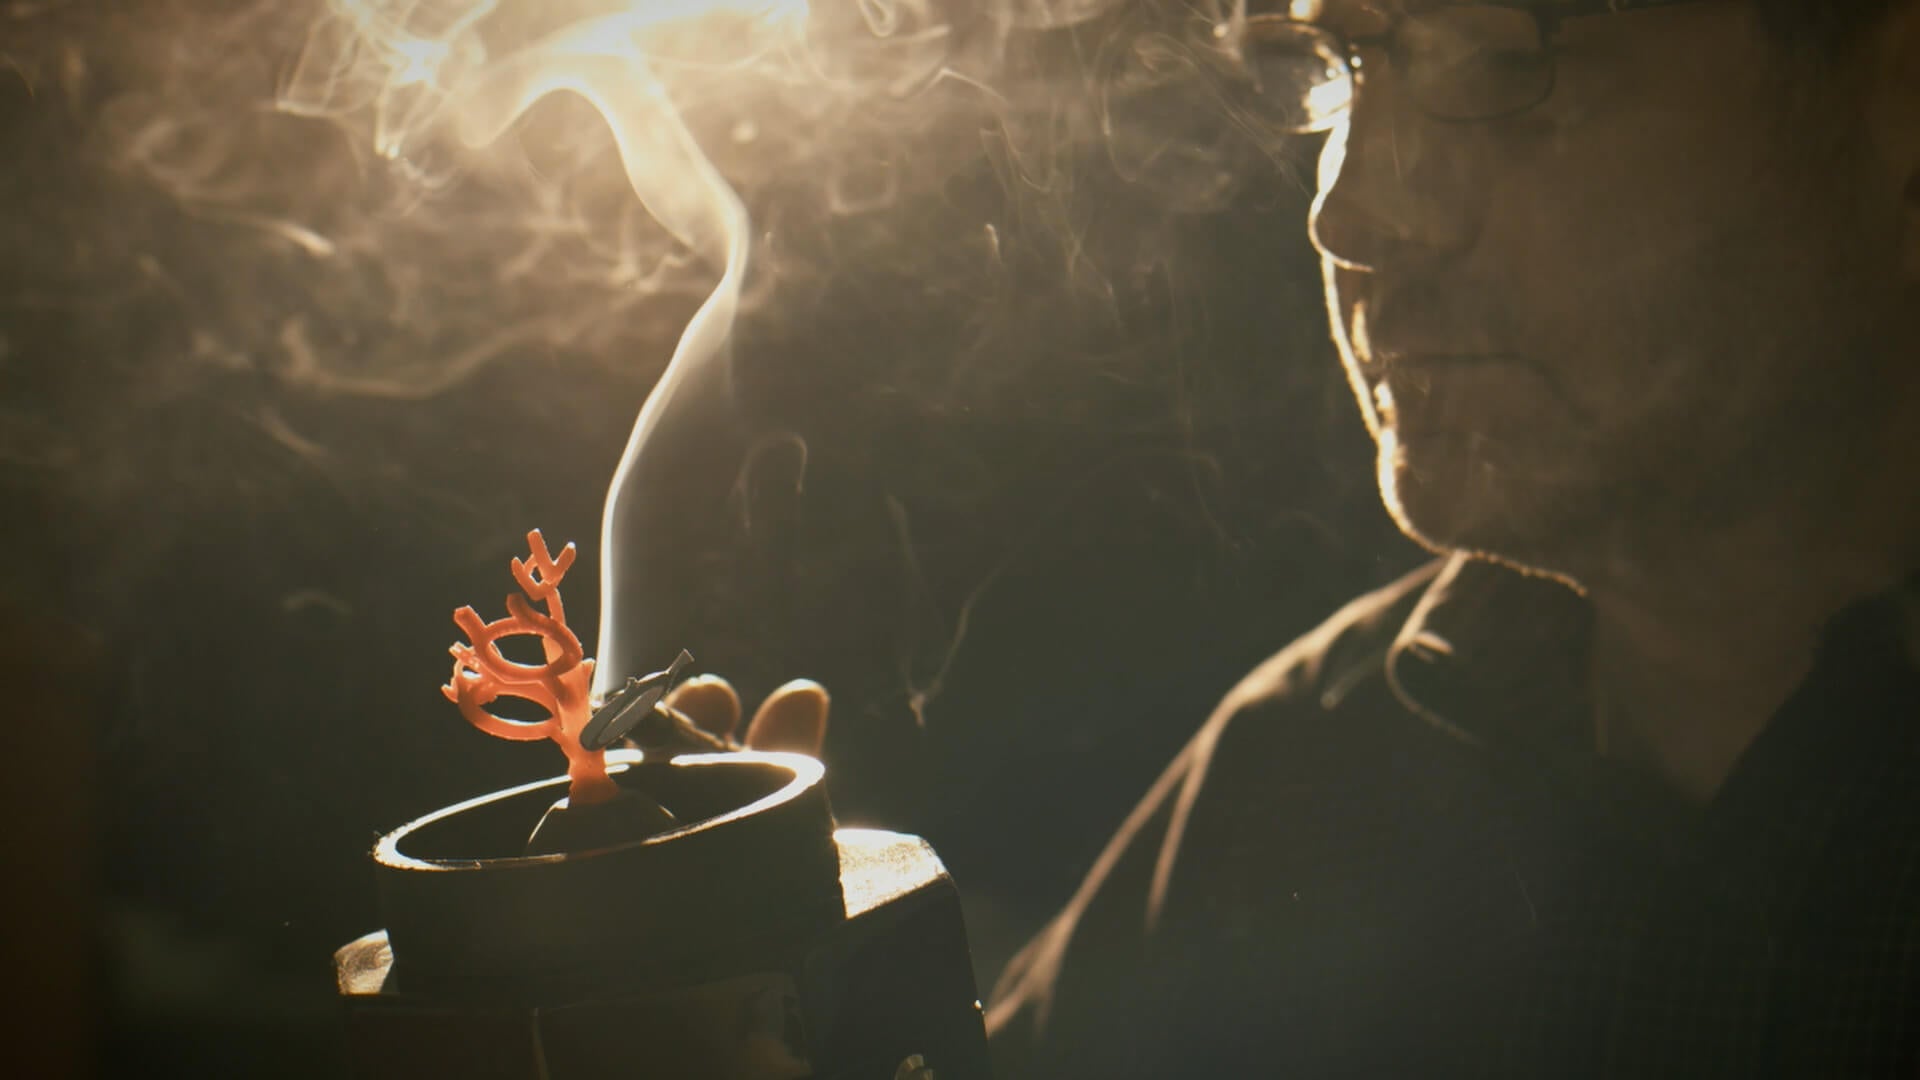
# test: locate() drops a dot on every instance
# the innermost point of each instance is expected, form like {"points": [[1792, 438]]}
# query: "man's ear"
{"points": [[1894, 115]]}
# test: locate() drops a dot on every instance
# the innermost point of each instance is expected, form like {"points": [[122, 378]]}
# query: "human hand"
{"points": [[792, 719]]}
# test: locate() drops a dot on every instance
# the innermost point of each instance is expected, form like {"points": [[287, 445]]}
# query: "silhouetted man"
{"points": [[1627, 782]]}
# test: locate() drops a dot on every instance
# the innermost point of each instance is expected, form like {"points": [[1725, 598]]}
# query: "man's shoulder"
{"points": [[1270, 723]]}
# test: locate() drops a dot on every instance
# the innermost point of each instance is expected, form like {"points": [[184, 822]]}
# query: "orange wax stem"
{"points": [[560, 686]]}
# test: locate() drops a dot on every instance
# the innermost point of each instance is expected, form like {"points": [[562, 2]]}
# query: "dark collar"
{"points": [[1498, 659], [1493, 655]]}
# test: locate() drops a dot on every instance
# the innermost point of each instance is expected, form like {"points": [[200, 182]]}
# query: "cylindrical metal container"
{"points": [[753, 940]]}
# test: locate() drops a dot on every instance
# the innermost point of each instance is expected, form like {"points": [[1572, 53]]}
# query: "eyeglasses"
{"points": [[1460, 63]]}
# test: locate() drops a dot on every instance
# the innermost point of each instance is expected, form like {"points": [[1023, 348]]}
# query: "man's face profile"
{"points": [[1666, 292]]}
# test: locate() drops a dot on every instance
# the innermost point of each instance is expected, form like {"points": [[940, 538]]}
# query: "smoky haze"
{"points": [[833, 93], [1030, 429]]}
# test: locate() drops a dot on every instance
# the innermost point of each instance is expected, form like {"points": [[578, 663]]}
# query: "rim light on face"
{"points": [[1459, 63]]}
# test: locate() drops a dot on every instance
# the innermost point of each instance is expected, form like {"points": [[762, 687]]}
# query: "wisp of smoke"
{"points": [[421, 72], [579, 159]]}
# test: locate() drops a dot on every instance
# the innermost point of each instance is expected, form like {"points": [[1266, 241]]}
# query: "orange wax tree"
{"points": [[561, 685]]}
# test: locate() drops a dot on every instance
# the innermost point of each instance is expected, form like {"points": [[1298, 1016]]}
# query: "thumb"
{"points": [[793, 718]]}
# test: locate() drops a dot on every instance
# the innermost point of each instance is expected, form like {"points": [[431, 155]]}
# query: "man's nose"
{"points": [[1394, 184]]}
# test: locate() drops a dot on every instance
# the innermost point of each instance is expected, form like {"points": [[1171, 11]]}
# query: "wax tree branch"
{"points": [[560, 686]]}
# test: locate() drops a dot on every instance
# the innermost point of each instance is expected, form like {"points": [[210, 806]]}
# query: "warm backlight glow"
{"points": [[472, 70]]}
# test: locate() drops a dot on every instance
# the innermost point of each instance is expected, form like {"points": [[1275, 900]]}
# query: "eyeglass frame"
{"points": [[1548, 14]]}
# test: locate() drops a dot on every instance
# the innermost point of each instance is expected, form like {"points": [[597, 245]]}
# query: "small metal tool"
{"points": [[630, 705]]}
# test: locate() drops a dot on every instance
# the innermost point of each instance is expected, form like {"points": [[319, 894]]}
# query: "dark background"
{"points": [[1120, 445]]}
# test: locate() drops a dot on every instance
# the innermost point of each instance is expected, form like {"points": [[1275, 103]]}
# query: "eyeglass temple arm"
{"points": [[1561, 9]]}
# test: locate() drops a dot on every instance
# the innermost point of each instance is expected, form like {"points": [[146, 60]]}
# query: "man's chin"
{"points": [[1438, 529], [1469, 510]]}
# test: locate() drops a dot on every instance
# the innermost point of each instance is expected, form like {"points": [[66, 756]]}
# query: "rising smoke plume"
{"points": [[822, 87], [425, 213]]}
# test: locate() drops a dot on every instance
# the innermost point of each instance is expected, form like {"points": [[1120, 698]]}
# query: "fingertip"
{"points": [[805, 688], [710, 702], [792, 719]]}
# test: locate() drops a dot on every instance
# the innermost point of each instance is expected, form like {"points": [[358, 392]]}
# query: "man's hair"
{"points": [[1826, 27]]}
